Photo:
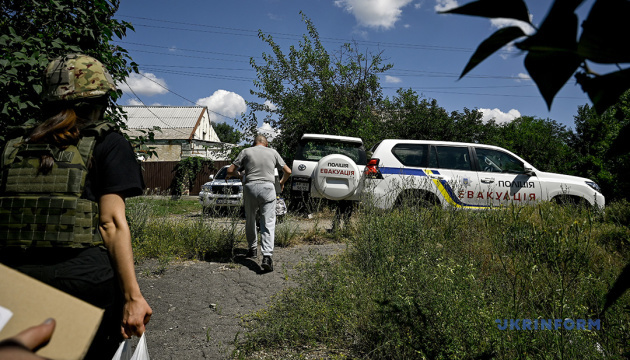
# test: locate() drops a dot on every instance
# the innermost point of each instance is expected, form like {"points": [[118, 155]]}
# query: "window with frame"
{"points": [[414, 155], [491, 160], [453, 157]]}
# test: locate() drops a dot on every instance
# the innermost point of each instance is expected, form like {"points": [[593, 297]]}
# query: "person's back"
{"points": [[259, 164]]}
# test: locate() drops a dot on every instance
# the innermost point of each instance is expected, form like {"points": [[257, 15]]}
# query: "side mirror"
{"points": [[211, 177], [529, 171]]}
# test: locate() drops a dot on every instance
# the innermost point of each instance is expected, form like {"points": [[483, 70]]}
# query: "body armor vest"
{"points": [[45, 209]]}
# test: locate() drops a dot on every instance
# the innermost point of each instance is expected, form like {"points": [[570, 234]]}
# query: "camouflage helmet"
{"points": [[76, 76]]}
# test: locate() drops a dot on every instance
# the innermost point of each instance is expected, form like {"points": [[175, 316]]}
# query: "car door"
{"points": [[451, 168], [504, 178]]}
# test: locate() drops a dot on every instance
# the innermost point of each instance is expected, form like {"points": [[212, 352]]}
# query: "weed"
{"points": [[430, 282]]}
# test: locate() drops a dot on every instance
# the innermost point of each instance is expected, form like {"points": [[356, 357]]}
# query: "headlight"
{"points": [[594, 186]]}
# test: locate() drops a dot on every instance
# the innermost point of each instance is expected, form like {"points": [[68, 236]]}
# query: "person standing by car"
{"points": [[258, 163], [62, 201]]}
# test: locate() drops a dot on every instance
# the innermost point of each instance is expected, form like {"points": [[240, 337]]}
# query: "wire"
{"points": [[183, 97]]}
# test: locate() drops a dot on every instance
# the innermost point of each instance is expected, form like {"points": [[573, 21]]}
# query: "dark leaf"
{"points": [[619, 287], [511, 9], [558, 30], [550, 70], [604, 91], [605, 33], [496, 41]]}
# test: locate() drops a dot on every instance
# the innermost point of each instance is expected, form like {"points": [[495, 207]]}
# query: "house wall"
{"points": [[167, 152], [205, 131]]}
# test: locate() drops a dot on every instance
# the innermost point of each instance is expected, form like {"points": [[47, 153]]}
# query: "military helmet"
{"points": [[76, 76]]}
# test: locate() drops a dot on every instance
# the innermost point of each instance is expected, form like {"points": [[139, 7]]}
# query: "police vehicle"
{"points": [[328, 166], [463, 175]]}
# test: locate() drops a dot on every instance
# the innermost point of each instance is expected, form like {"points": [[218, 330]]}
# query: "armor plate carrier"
{"points": [[46, 209]]}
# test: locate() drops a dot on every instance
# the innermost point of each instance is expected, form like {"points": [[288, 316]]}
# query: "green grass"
{"points": [[165, 206], [429, 284]]}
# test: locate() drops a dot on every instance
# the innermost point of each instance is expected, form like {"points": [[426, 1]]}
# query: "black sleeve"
{"points": [[114, 169]]}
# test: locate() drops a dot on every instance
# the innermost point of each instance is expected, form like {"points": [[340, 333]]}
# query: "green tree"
{"points": [[227, 133], [405, 116], [542, 142], [554, 53], [35, 32], [315, 91], [600, 145]]}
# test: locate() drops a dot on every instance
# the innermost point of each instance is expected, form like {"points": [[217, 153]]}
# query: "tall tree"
{"points": [[313, 90], [600, 143], [35, 32], [227, 133], [542, 142]]}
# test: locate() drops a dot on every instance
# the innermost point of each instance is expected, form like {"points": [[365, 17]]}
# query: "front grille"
{"points": [[225, 189]]}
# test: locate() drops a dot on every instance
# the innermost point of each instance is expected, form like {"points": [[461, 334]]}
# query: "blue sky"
{"points": [[197, 52]]}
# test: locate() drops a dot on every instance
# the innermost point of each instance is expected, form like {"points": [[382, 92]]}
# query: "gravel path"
{"points": [[197, 305]]}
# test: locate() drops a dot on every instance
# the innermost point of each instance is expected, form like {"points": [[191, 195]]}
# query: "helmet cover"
{"points": [[76, 76]]}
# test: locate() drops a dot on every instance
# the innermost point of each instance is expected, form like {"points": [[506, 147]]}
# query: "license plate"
{"points": [[227, 201], [301, 186]]}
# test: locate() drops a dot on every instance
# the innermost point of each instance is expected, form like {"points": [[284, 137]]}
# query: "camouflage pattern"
{"points": [[45, 209], [76, 76]]}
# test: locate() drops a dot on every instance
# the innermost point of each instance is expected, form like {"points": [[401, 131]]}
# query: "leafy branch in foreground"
{"points": [[554, 52]]}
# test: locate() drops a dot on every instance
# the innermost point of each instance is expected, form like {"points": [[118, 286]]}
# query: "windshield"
{"points": [[315, 149], [221, 174]]}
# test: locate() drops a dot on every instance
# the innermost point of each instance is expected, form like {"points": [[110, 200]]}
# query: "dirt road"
{"points": [[197, 306]]}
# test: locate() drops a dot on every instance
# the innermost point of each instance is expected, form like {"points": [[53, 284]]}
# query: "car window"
{"points": [[411, 154], [453, 157], [498, 161], [315, 149], [221, 174]]}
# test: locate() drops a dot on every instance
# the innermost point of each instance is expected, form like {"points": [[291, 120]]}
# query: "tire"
{"points": [[417, 199], [336, 177]]}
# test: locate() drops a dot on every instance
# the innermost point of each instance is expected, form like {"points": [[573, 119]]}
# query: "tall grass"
{"points": [[431, 283], [156, 233]]}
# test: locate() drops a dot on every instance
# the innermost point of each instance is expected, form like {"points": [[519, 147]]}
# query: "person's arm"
{"points": [[117, 237], [25, 344], [233, 172], [285, 176]]}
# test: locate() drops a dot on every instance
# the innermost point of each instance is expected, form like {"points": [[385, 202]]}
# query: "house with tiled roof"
{"points": [[184, 131]]}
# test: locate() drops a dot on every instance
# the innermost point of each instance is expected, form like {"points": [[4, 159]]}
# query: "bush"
{"points": [[431, 283]]}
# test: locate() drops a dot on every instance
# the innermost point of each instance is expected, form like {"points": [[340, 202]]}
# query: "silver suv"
{"points": [[328, 166], [464, 175], [221, 193]]}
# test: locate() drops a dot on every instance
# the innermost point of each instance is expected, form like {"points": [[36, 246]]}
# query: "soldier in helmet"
{"points": [[62, 201]]}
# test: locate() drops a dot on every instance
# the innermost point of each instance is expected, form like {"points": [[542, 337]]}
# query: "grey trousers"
{"points": [[260, 195]]}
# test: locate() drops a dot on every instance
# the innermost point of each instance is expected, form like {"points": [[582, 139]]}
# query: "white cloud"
{"points": [[499, 116], [501, 23], [268, 131], [444, 5], [523, 77], [374, 13], [270, 105], [225, 103], [136, 102], [144, 84], [418, 5], [392, 79]]}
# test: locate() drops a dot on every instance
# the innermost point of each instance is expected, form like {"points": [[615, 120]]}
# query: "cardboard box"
{"points": [[32, 302]]}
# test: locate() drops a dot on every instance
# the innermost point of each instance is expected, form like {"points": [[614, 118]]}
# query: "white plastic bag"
{"points": [[124, 350]]}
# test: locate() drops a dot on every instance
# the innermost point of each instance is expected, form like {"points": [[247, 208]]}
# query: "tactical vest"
{"points": [[45, 209]]}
